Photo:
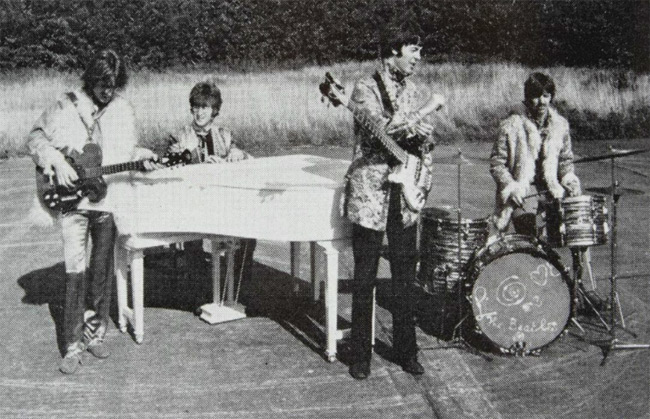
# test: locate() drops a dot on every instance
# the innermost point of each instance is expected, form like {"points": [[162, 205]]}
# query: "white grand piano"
{"points": [[292, 198]]}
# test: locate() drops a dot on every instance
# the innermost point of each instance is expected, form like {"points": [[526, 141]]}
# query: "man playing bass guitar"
{"points": [[376, 205], [93, 115]]}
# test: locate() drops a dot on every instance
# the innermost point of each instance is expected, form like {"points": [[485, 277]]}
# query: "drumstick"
{"points": [[534, 195]]}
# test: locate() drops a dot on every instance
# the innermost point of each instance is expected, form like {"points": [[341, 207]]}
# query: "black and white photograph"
{"points": [[325, 209]]}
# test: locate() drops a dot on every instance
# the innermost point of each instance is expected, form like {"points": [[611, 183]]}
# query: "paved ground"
{"points": [[271, 364]]}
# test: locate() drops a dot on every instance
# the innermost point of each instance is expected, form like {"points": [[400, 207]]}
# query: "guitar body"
{"points": [[63, 199], [412, 173], [91, 184], [416, 180]]}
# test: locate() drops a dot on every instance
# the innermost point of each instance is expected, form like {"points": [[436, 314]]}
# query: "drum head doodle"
{"points": [[520, 297]]}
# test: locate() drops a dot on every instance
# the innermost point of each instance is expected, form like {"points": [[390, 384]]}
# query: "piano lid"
{"points": [[287, 198], [278, 173]]}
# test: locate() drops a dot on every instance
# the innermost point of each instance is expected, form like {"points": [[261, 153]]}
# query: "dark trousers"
{"points": [[366, 247], [92, 288]]}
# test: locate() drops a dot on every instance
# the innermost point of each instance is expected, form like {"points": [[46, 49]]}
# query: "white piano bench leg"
{"points": [[121, 272]]}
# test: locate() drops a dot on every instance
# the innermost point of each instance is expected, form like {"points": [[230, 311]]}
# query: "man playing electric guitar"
{"points": [[375, 205], [94, 114]]}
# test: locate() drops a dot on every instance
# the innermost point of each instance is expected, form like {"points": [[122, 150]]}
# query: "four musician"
{"points": [[532, 155], [97, 114], [376, 207]]}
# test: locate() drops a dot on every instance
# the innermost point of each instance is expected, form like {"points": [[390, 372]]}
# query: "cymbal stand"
{"points": [[613, 344], [456, 336], [577, 287]]}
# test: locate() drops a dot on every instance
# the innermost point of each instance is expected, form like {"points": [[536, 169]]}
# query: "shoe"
{"points": [[98, 348], [360, 370], [70, 362], [412, 366]]}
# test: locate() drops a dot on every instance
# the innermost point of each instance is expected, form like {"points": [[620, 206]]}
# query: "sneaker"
{"points": [[70, 362], [360, 370], [412, 366], [93, 338], [98, 348]]}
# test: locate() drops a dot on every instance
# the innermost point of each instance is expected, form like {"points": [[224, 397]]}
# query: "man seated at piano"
{"points": [[210, 143]]}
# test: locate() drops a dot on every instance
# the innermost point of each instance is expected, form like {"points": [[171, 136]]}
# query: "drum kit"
{"points": [[513, 293]]}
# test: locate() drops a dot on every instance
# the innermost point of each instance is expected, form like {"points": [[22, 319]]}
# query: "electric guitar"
{"points": [[415, 177], [60, 198]]}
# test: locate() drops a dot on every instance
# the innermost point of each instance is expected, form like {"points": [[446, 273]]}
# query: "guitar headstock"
{"points": [[333, 90], [176, 159]]}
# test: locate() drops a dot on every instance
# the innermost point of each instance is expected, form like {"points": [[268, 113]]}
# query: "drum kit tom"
{"points": [[513, 293]]}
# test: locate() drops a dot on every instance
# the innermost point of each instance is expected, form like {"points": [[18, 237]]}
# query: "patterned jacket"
{"points": [[516, 154], [367, 190], [187, 139]]}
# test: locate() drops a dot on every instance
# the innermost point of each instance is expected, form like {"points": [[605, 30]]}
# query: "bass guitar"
{"points": [[91, 184], [412, 174]]}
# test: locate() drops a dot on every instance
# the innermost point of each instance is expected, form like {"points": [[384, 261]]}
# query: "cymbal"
{"points": [[459, 159], [613, 153], [607, 190]]}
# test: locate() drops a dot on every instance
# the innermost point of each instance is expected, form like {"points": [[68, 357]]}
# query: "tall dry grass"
{"points": [[267, 110]]}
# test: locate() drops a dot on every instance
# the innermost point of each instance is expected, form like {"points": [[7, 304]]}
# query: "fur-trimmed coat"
{"points": [[519, 148], [367, 191]]}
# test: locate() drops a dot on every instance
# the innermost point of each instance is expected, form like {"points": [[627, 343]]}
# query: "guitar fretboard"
{"points": [[370, 125], [113, 168]]}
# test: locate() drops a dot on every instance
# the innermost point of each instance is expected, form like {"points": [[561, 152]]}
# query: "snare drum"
{"points": [[577, 221], [519, 295], [440, 268]]}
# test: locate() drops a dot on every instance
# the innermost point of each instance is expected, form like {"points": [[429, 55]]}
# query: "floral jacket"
{"points": [[367, 187]]}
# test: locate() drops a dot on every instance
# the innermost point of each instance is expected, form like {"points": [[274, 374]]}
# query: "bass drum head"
{"points": [[520, 297]]}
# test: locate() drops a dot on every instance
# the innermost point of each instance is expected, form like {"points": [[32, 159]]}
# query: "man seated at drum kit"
{"points": [[532, 163]]}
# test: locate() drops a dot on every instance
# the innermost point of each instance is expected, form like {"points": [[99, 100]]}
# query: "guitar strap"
{"points": [[89, 128], [388, 104]]}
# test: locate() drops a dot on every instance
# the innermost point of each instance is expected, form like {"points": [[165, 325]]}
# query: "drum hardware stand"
{"points": [[457, 337], [613, 344], [577, 287]]}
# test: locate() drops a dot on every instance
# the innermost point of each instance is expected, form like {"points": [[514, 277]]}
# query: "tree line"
{"points": [[160, 34]]}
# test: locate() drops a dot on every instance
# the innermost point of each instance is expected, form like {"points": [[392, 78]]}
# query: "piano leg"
{"points": [[332, 334], [121, 272], [216, 272], [137, 292], [315, 283], [295, 263]]}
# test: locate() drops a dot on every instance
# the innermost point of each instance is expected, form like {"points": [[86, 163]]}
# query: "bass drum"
{"points": [[519, 296]]}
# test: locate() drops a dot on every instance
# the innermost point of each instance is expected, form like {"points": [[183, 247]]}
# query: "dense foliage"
{"points": [[159, 34]]}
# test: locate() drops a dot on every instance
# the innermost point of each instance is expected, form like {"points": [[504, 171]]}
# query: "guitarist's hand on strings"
{"points": [[149, 159], [423, 129], [64, 173]]}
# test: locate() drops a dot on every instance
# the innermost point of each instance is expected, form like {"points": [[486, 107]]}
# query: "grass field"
{"points": [[267, 110]]}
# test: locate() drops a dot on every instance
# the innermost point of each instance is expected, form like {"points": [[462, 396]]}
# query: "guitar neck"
{"points": [[370, 125], [113, 168]]}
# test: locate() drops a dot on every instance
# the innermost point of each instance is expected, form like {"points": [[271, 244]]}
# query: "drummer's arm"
{"points": [[566, 169]]}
